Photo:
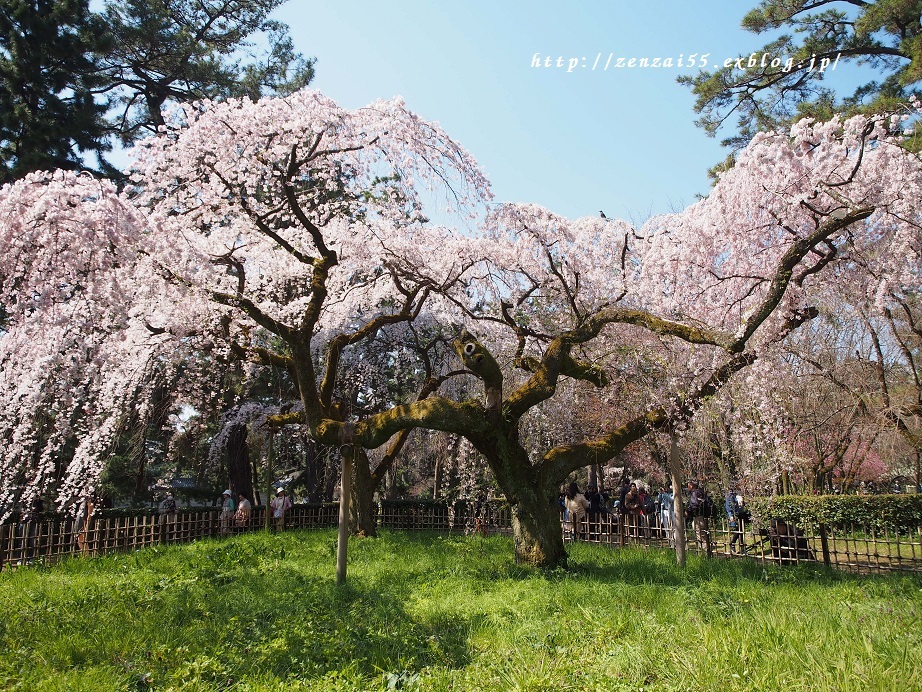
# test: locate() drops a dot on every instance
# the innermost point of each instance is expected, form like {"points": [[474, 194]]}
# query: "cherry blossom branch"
{"points": [[261, 223], [408, 313], [251, 310], [784, 271], [570, 296], [263, 356], [295, 206], [828, 375], [906, 351], [825, 258], [232, 263]]}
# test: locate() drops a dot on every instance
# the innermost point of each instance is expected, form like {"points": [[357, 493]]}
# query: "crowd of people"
{"points": [[646, 514]]}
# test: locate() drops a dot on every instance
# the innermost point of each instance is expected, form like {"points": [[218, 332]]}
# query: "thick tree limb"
{"points": [[481, 362], [435, 413], [653, 323], [282, 419], [430, 386]]}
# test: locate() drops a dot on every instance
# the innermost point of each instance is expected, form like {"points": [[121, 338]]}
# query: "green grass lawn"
{"points": [[429, 612]]}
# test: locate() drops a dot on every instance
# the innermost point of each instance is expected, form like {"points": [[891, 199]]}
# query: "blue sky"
{"points": [[623, 141]]}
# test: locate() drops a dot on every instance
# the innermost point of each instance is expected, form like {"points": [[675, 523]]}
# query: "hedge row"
{"points": [[900, 513]]}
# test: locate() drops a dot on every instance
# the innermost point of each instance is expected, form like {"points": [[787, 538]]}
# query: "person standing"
{"points": [[227, 511], [562, 503], [167, 510], [244, 509], [622, 493], [595, 500], [279, 506], [596, 508], [577, 506], [633, 508], [667, 514], [696, 512], [647, 510], [736, 517]]}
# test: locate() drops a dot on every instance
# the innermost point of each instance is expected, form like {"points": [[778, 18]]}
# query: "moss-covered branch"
{"points": [[572, 368], [560, 461], [430, 386], [543, 382], [546, 372], [658, 325], [280, 420], [480, 361], [466, 418]]}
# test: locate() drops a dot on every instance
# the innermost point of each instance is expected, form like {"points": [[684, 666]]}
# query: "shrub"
{"points": [[899, 513]]}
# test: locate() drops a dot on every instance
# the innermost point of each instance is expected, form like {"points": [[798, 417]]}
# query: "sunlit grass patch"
{"points": [[431, 612]]}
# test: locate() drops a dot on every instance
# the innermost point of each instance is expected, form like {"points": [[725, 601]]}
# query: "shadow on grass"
{"points": [[254, 607], [493, 558], [266, 605], [658, 566], [287, 617], [372, 631]]}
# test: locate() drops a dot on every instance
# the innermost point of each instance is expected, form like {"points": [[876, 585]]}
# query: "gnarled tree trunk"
{"points": [[362, 514], [536, 530], [238, 461]]}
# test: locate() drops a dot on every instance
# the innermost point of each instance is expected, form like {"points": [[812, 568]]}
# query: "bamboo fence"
{"points": [[850, 548]]}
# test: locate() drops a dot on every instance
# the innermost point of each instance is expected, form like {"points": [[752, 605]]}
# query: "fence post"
{"points": [[708, 547], [824, 543], [269, 480]]}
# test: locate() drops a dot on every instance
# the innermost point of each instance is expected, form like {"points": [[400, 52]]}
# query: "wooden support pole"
{"points": [[345, 494], [675, 474]]}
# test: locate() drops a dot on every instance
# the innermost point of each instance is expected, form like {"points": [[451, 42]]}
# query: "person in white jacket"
{"points": [[577, 505], [279, 507], [244, 509]]}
